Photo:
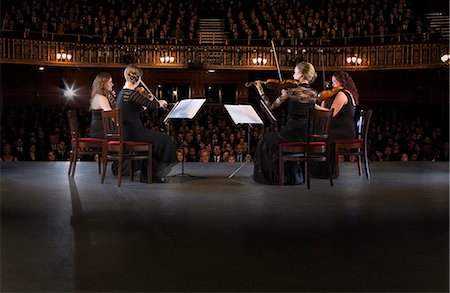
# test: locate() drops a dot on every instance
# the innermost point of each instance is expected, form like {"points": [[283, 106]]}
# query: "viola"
{"points": [[323, 95], [276, 84]]}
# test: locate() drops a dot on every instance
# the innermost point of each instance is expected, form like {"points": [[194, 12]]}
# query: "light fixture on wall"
{"points": [[354, 60], [63, 56], [167, 59], [445, 58], [259, 61]]}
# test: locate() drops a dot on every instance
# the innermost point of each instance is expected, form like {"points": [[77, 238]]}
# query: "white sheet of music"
{"points": [[243, 114], [186, 109]]}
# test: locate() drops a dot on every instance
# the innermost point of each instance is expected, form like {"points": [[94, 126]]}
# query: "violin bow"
{"points": [[323, 68], [276, 60]]}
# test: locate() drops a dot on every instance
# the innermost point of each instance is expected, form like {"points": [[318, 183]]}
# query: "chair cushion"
{"points": [[298, 143], [346, 141], [89, 139], [130, 143]]}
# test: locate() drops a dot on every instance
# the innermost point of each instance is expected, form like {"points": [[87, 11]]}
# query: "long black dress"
{"points": [[342, 127], [96, 128], [164, 157], [266, 158]]}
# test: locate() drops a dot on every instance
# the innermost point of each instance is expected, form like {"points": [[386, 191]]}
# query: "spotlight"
{"points": [[69, 91], [445, 58], [41, 68]]}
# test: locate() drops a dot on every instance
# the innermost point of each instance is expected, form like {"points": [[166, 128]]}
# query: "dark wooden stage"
{"points": [[61, 234]]}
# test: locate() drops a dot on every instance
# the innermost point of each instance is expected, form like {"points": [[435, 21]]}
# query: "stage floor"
{"points": [[218, 234]]}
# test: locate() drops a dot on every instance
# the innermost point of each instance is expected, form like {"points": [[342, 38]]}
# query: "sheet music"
{"points": [[186, 109], [243, 114]]}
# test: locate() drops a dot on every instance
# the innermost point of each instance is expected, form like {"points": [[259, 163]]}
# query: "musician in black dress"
{"points": [[344, 102], [131, 103], [102, 98], [299, 99]]}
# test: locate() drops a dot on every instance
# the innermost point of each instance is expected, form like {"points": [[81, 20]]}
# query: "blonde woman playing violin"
{"points": [[298, 99], [131, 103]]}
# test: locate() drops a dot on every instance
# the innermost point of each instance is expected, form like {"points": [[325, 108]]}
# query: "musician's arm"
{"points": [[143, 101]]}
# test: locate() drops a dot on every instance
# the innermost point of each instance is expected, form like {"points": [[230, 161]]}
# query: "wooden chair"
{"points": [[359, 145], [315, 149], [116, 148], [81, 145]]}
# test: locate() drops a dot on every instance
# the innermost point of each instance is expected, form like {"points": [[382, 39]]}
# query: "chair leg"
{"points": [[119, 176], [104, 163], [131, 170], [366, 164], [280, 169], [71, 163], [308, 174], [359, 165], [149, 166], [329, 173], [75, 157], [99, 163]]}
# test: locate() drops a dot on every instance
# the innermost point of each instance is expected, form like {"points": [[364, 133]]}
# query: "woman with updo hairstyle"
{"points": [[102, 98], [132, 103], [299, 99]]}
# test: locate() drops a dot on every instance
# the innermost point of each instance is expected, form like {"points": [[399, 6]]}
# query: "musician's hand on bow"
{"points": [[259, 87], [162, 104]]}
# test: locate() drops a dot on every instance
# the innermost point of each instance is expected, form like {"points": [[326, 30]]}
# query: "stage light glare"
{"points": [[255, 60], [445, 58], [349, 59], [359, 60], [41, 68], [58, 56], [172, 59], [353, 59], [161, 59], [259, 59], [69, 91], [264, 61], [69, 56]]}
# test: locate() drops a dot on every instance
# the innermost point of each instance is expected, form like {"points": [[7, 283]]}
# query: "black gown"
{"points": [[164, 157], [96, 128], [342, 127], [266, 158]]}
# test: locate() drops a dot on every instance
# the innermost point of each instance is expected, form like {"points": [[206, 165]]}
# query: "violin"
{"points": [[276, 84], [323, 95], [147, 93]]}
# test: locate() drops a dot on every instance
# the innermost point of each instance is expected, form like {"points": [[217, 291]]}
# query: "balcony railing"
{"points": [[399, 56]]}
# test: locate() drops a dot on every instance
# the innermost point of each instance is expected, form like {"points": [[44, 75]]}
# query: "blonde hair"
{"points": [[132, 73], [308, 71], [99, 84]]}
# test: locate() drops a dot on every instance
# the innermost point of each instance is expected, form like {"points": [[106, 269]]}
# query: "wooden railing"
{"points": [[401, 56]]}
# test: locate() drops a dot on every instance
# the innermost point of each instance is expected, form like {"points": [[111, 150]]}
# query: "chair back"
{"points": [[319, 122], [367, 117], [112, 124], [73, 124]]}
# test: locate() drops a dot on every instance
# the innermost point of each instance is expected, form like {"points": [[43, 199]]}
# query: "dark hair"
{"points": [[347, 82]]}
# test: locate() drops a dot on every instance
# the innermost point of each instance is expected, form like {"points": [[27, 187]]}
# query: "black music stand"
{"points": [[243, 114], [184, 109]]}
